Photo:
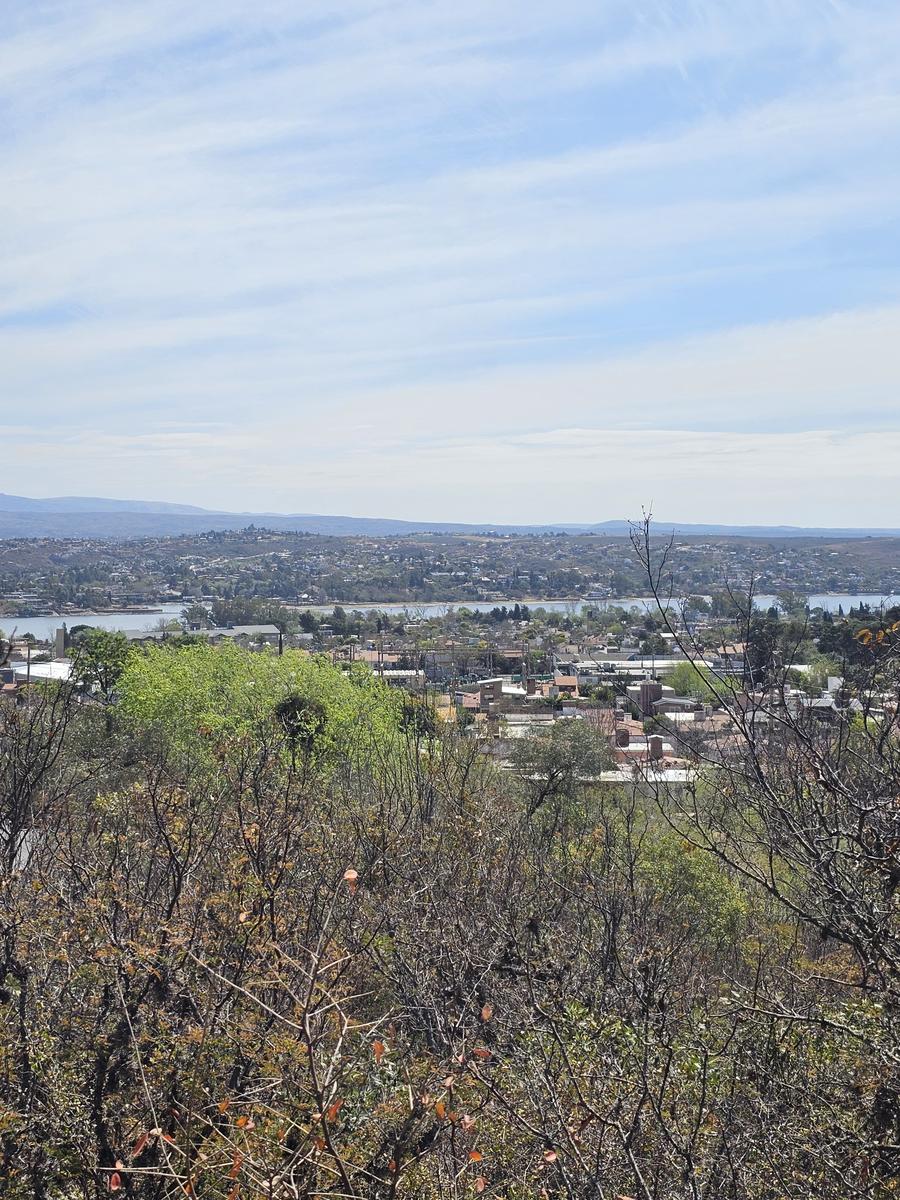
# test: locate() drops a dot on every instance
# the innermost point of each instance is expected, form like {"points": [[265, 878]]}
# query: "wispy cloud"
{"points": [[446, 218]]}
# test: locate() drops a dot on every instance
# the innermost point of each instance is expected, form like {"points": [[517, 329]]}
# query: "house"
{"points": [[269, 635], [55, 670], [565, 685], [676, 705], [398, 677]]}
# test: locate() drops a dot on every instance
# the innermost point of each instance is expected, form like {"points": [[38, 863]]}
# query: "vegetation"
{"points": [[229, 568], [270, 930], [207, 700], [690, 680]]}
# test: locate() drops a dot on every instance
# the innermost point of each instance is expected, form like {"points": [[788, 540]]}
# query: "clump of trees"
{"points": [[273, 931]]}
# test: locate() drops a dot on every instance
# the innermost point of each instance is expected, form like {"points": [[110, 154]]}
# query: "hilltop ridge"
{"points": [[95, 517]]}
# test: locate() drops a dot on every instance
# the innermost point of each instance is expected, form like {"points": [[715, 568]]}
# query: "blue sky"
{"points": [[494, 260]]}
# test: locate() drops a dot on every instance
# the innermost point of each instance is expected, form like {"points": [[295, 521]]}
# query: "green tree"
{"points": [[555, 766], [689, 679], [203, 697], [196, 616], [99, 660]]}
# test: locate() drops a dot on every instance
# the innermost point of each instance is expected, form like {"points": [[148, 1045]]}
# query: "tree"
{"points": [[283, 936], [653, 643], [196, 616], [806, 816], [691, 679], [556, 766], [792, 603], [247, 610], [99, 659], [205, 699]]}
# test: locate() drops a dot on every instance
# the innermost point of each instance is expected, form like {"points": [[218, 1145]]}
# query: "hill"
{"points": [[96, 517]]}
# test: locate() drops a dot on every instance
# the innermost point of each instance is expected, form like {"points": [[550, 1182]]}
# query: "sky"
{"points": [[488, 260]]}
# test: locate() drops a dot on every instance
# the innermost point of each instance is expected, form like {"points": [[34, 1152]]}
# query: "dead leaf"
{"points": [[350, 878]]}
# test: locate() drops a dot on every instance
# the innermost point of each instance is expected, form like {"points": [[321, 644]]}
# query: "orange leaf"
{"points": [[334, 1110], [480, 1184], [223, 1106], [235, 1166], [481, 1052], [486, 1013], [115, 1181], [441, 1109], [378, 1049], [474, 1156], [167, 1137], [139, 1145], [319, 1143], [241, 1122]]}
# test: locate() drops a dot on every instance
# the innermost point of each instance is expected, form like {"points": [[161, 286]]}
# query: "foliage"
{"points": [[245, 610], [693, 680], [555, 766], [98, 660], [204, 697], [279, 934], [694, 887]]}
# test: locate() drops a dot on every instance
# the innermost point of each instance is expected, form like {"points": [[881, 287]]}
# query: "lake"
{"points": [[44, 628], [831, 602]]}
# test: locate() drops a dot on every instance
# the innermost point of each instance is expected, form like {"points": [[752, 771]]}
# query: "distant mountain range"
{"points": [[93, 517]]}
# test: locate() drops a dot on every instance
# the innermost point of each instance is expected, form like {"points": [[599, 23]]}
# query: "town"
{"points": [[655, 681], [68, 576]]}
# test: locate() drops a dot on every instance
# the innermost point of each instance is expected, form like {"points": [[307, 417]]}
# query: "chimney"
{"points": [[655, 747], [649, 691]]}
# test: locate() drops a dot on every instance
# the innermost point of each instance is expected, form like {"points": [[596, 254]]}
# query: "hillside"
{"points": [[94, 517]]}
